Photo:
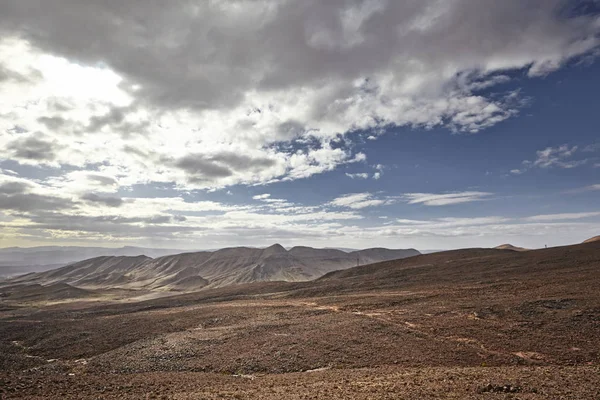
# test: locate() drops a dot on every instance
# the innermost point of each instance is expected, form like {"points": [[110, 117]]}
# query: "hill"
{"points": [[510, 247], [593, 239], [39, 293], [466, 324], [193, 271]]}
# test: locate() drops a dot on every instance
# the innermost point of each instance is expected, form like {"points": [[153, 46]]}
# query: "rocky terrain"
{"points": [[194, 271], [473, 323]]}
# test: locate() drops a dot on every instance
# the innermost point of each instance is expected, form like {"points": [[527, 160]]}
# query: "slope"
{"points": [[193, 271]]}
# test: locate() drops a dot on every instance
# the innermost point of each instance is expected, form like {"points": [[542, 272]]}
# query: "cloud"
{"points": [[32, 148], [30, 202], [555, 157], [592, 148], [11, 188], [358, 201], [102, 179], [552, 157], [491, 229], [363, 175], [261, 196], [110, 201], [443, 199], [216, 94], [589, 188], [565, 216], [377, 175], [450, 222], [182, 96], [199, 169]]}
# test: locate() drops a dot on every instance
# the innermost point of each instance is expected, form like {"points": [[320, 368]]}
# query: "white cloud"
{"points": [[552, 157], [182, 96], [363, 175], [442, 199], [592, 148], [34, 212], [163, 87], [261, 196], [556, 156], [358, 201], [565, 216], [473, 232]]}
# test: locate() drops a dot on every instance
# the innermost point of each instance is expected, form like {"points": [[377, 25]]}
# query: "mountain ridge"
{"points": [[197, 270]]}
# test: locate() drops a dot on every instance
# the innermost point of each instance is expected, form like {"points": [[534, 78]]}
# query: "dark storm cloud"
{"points": [[103, 180], [30, 202], [52, 123], [16, 196], [198, 167], [115, 116], [201, 168], [242, 162], [209, 54], [11, 188], [110, 201], [116, 120], [33, 148]]}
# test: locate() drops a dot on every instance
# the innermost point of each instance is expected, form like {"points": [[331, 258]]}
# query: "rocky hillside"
{"points": [[594, 239], [192, 271]]}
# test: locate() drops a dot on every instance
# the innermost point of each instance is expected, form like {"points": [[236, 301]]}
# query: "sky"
{"points": [[432, 124]]}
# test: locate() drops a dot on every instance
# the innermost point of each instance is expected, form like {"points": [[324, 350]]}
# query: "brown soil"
{"points": [[477, 323], [594, 239]]}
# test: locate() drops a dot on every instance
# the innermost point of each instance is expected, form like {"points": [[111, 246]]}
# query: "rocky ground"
{"points": [[468, 324], [368, 383]]}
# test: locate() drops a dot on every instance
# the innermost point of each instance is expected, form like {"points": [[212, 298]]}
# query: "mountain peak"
{"points": [[508, 246], [274, 249]]}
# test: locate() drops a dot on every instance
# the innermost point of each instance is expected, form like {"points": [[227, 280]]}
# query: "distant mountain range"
{"points": [[21, 260], [192, 271]]}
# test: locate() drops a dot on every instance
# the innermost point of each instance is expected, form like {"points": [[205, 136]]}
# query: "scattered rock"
{"points": [[491, 388]]}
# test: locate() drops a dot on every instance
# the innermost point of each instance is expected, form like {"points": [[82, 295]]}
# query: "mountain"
{"points": [[510, 247], [21, 260], [192, 271], [594, 239]]}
